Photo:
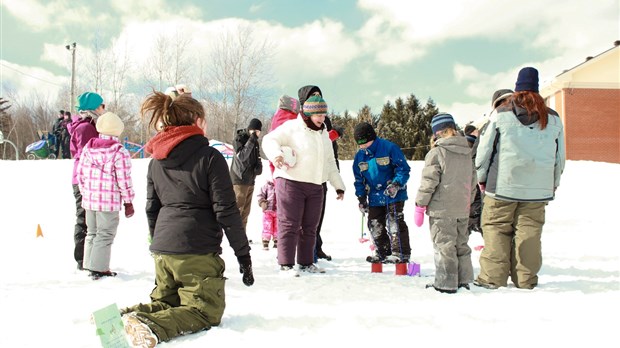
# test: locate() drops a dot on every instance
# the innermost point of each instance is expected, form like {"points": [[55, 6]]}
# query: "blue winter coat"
{"points": [[375, 167]]}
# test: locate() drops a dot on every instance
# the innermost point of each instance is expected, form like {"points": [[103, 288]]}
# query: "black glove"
{"points": [[245, 267], [363, 205], [392, 190]]}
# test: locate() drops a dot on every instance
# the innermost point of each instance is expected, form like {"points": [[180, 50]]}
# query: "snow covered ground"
{"points": [[46, 302]]}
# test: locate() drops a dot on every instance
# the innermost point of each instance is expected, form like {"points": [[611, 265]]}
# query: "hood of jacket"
{"points": [[457, 144], [306, 91]]}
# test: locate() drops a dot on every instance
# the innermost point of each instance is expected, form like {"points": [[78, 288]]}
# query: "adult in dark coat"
{"points": [[246, 166]]}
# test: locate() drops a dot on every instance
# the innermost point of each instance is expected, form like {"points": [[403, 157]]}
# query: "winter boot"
{"points": [[311, 268], [138, 333], [288, 271], [444, 291], [265, 244], [94, 275], [322, 255]]}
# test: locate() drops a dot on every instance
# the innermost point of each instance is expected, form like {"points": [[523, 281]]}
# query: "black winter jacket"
{"points": [[246, 164], [191, 202]]}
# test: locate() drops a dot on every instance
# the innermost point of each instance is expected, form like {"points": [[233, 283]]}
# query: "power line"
{"points": [[34, 77]]}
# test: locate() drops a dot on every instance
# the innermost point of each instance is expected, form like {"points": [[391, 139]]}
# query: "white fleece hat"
{"points": [[110, 124]]}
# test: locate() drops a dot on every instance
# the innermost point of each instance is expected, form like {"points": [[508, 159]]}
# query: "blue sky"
{"points": [[359, 52]]}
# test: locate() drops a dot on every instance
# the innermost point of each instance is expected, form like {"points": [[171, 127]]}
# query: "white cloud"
{"points": [[24, 79], [45, 15], [465, 112]]}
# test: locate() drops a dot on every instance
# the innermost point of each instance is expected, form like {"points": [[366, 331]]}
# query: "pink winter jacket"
{"points": [[104, 174]]}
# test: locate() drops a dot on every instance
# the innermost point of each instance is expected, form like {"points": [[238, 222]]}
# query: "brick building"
{"points": [[587, 97]]}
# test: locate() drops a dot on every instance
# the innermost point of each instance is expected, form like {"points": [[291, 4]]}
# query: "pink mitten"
{"points": [[418, 216]]}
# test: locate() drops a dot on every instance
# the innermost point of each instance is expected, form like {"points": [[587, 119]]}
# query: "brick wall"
{"points": [[592, 124]]}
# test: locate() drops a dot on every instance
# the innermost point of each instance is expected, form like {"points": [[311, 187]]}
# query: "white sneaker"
{"points": [[288, 271], [312, 268], [138, 333], [392, 259]]}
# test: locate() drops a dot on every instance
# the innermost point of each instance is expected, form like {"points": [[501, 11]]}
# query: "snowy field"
{"points": [[47, 302]]}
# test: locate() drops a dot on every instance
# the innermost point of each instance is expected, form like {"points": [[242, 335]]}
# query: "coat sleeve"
{"points": [[225, 204], [122, 166], [431, 175], [153, 204], [560, 158], [485, 148]]}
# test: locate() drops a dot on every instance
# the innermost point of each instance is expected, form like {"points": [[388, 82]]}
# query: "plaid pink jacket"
{"points": [[104, 174]]}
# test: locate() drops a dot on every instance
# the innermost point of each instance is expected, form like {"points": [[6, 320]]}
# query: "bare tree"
{"points": [[234, 82], [179, 69], [97, 65], [119, 66], [159, 62]]}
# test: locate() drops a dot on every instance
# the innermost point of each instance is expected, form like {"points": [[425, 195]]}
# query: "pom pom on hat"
{"points": [[364, 133], [88, 101], [110, 124], [527, 80], [315, 105], [255, 124], [441, 122]]}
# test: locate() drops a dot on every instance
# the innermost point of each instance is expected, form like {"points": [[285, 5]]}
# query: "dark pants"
{"points": [[319, 240], [79, 234], [398, 243], [299, 210]]}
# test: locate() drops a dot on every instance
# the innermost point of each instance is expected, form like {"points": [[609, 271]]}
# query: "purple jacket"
{"points": [[268, 194], [81, 131]]}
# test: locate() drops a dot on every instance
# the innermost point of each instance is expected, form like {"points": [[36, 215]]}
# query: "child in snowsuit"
{"points": [[267, 202], [446, 190], [104, 179]]}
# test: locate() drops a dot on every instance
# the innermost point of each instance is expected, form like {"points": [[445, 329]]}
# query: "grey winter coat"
{"points": [[448, 184]]}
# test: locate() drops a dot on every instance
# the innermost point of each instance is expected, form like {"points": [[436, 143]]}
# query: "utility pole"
{"points": [[71, 48]]}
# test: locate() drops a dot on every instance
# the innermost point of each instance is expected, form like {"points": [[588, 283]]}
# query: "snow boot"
{"points": [[265, 244], [138, 333], [288, 271], [322, 255], [94, 275], [444, 291], [311, 268]]}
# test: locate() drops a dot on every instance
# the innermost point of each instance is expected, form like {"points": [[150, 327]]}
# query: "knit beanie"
{"points": [[364, 133], [527, 80], [315, 105], [500, 95], [255, 124], [88, 101], [442, 121], [110, 124], [288, 103]]}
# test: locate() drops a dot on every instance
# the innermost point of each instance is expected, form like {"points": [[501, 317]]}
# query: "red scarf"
{"points": [[163, 142]]}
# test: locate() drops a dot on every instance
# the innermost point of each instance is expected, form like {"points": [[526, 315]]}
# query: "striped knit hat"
{"points": [[442, 121], [315, 105]]}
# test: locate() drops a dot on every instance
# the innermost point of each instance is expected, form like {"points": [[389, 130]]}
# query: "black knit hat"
{"points": [[255, 124], [364, 133]]}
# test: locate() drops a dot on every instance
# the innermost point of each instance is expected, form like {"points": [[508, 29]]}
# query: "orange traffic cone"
{"points": [[39, 231]]}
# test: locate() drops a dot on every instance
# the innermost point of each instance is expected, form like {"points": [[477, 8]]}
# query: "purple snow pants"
{"points": [[299, 210]]}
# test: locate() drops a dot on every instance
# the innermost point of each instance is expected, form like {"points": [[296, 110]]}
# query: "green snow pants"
{"points": [[512, 245], [188, 296]]}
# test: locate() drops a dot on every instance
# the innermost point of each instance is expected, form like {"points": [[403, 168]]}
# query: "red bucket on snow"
{"points": [[401, 269], [376, 267]]}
